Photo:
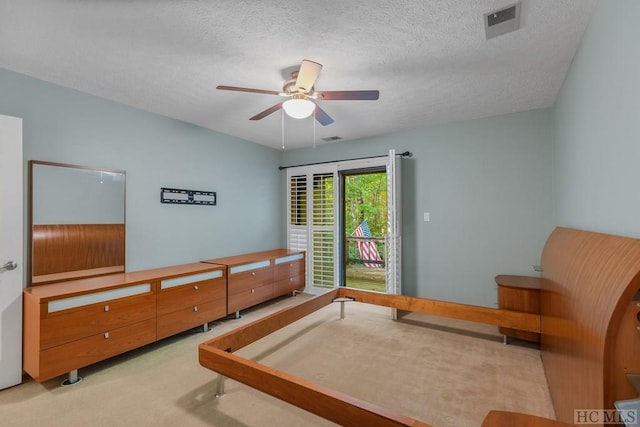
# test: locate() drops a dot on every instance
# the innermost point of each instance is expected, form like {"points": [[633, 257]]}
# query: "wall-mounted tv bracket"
{"points": [[187, 197]]}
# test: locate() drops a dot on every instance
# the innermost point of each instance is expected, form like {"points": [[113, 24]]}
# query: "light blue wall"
{"points": [[487, 185], [597, 126], [62, 125]]}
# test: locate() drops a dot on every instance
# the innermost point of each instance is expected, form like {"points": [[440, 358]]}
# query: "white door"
{"points": [[11, 256]]}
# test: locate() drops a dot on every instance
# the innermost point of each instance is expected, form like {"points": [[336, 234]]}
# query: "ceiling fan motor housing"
{"points": [[290, 87]]}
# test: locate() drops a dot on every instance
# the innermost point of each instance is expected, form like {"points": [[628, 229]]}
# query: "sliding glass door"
{"points": [[315, 222]]}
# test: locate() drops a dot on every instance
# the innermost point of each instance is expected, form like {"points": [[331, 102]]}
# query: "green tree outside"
{"points": [[366, 199]]}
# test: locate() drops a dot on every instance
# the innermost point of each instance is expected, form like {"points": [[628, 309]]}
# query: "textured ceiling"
{"points": [[429, 59]]}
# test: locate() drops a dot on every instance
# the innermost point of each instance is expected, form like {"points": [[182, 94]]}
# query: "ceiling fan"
{"points": [[303, 96]]}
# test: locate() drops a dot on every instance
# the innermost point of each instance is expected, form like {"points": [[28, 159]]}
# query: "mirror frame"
{"points": [[106, 242]]}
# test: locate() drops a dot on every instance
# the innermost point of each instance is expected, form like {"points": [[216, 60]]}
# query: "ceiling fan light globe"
{"points": [[299, 108]]}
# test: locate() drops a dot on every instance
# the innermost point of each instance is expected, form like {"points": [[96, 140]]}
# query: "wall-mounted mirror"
{"points": [[77, 217]]}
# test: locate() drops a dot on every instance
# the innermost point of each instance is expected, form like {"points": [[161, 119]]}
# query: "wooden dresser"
{"points": [[184, 302], [260, 276], [69, 325]]}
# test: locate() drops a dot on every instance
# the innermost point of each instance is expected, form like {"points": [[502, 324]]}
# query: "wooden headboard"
{"points": [[589, 319], [72, 251]]}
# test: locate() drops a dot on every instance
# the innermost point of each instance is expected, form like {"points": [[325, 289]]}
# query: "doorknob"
{"points": [[8, 267]]}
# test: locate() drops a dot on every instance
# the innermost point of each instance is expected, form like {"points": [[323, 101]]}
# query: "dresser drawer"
{"points": [[71, 324], [59, 360], [247, 280], [189, 295], [250, 297], [290, 284], [187, 318], [290, 266]]}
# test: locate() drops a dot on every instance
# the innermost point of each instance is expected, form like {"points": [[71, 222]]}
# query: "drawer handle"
{"points": [[291, 279], [291, 265], [253, 273], [253, 291], [196, 287], [106, 308], [106, 335], [195, 308]]}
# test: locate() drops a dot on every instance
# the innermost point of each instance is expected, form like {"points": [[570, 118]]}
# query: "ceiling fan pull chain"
{"points": [[314, 128], [282, 129]]}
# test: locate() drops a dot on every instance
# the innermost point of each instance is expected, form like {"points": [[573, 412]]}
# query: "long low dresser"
{"points": [[260, 276], [70, 325]]}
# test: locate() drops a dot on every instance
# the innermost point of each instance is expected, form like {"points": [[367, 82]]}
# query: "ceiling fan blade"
{"points": [[321, 116], [307, 75], [266, 112], [348, 95], [246, 89]]}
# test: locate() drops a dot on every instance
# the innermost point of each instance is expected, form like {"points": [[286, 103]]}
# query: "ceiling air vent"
{"points": [[332, 138], [502, 21]]}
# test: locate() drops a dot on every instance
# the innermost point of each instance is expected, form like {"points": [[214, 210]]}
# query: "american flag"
{"points": [[368, 250]]}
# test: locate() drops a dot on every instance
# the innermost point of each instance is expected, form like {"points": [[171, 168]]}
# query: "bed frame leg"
{"points": [[238, 315], [220, 386], [505, 340], [205, 327], [342, 301], [72, 378]]}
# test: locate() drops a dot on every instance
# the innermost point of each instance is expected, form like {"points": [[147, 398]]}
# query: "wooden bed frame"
{"points": [[217, 355], [589, 326], [590, 336]]}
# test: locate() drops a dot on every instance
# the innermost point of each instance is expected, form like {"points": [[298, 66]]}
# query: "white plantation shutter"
{"points": [[324, 230], [297, 200], [394, 241], [298, 239], [297, 233], [312, 222]]}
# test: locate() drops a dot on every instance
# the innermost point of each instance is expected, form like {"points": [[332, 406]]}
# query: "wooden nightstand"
{"points": [[519, 293]]}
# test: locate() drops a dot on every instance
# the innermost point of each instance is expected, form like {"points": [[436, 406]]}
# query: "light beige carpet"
{"points": [[442, 372]]}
